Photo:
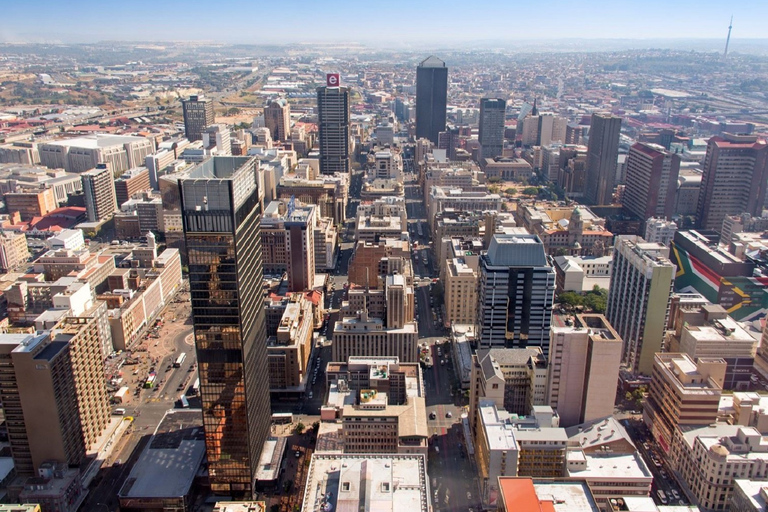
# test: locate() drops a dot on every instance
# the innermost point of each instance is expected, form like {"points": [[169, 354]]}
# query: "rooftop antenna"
{"points": [[728, 39]]}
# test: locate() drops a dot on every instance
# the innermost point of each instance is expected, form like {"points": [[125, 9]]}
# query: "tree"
{"points": [[511, 191], [570, 298], [233, 111], [300, 427], [494, 179], [531, 191]]}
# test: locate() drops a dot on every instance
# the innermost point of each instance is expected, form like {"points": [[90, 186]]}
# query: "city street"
{"points": [[663, 478]]}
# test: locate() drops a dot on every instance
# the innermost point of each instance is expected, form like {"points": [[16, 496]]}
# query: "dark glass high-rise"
{"points": [[431, 98], [221, 211]]}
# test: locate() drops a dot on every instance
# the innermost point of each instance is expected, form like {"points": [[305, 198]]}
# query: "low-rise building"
{"points": [[710, 458], [443, 198], [56, 488], [748, 496], [510, 445], [30, 204], [575, 231], [163, 475], [383, 218], [582, 273], [367, 482], [660, 231], [529, 495]]}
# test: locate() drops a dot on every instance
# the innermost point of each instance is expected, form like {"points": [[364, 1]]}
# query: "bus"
{"points": [[195, 387], [418, 228], [150, 382], [279, 418], [180, 360]]}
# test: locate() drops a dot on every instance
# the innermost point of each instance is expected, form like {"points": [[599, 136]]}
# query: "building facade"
{"points": [[431, 98], [333, 121], [100, 197], [198, 114], [222, 214], [651, 181], [491, 136], [602, 155]]}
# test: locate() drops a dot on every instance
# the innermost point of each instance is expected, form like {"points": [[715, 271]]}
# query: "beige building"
{"points": [[119, 152], [382, 218], [573, 230], [392, 333], [515, 379], [710, 458], [13, 250], [682, 393], [100, 197], [443, 198], [288, 352], [329, 193], [461, 282], [584, 364], [54, 394], [131, 182]]}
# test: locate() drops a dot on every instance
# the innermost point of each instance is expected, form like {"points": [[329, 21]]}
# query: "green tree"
{"points": [[511, 191], [531, 191], [300, 427], [570, 298], [494, 179]]}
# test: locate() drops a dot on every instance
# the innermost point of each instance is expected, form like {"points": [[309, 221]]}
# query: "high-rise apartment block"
{"points": [[491, 136], [299, 246], [638, 299], [333, 121], [651, 182], [54, 394], [517, 288], [222, 213], [198, 115], [100, 197], [277, 117], [431, 98], [216, 138], [734, 180], [290, 348], [13, 250], [602, 156], [584, 364]]}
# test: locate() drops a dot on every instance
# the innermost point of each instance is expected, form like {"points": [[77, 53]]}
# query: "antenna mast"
{"points": [[728, 39]]}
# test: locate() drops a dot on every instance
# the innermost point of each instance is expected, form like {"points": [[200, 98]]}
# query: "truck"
{"points": [[122, 395]]}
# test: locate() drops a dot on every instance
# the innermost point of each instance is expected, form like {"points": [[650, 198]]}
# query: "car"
{"points": [[297, 454], [311, 394], [118, 462], [449, 414], [675, 494], [469, 495], [433, 415]]}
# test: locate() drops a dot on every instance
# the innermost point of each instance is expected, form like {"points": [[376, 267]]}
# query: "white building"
{"points": [[660, 231]]}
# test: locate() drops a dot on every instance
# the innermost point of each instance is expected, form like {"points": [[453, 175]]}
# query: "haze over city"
{"points": [[406, 256]]}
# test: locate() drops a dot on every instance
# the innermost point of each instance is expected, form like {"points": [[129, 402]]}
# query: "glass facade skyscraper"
{"points": [[431, 98], [221, 211]]}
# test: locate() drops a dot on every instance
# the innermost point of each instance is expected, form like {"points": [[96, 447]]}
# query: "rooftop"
{"points": [[386, 483], [167, 466], [527, 495], [240, 506], [516, 251]]}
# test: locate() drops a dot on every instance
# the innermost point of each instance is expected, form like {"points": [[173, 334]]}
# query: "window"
{"points": [[345, 486]]}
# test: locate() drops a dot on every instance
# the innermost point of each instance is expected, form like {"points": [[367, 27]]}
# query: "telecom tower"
{"points": [[728, 39]]}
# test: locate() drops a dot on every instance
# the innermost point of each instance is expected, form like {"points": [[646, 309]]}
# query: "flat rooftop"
{"points": [[240, 506], [613, 467], [527, 495], [168, 465], [378, 483]]}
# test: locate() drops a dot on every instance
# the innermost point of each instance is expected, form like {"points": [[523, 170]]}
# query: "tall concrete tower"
{"points": [[728, 39]]}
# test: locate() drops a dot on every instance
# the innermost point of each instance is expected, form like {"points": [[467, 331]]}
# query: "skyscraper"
{"points": [[734, 179], [333, 118], [602, 155], [651, 181], [491, 135], [221, 213], [198, 114], [584, 363], [299, 246], [100, 195], [431, 98], [277, 117], [638, 299], [517, 288]]}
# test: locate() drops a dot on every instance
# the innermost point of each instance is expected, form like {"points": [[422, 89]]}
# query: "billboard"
{"points": [[332, 79]]}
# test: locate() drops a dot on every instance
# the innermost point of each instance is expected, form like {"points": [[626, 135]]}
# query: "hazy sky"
{"points": [[417, 21]]}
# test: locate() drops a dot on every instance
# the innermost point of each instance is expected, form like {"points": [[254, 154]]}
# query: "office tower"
{"points": [[517, 288], [333, 120], [431, 98], [299, 247], [602, 155], [584, 361], [682, 392], [491, 137], [217, 137], [130, 182], [651, 181], [198, 114], [100, 196], [734, 179], [221, 213], [277, 117], [54, 394], [638, 299]]}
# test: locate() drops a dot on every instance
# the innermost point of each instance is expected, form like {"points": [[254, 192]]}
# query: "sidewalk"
{"points": [[102, 448]]}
